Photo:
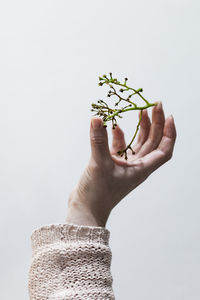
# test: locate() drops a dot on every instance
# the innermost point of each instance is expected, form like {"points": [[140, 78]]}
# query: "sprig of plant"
{"points": [[109, 114]]}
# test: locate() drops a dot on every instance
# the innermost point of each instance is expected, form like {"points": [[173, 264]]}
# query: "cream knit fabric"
{"points": [[70, 262]]}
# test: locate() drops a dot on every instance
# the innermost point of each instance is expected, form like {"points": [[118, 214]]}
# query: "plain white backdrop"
{"points": [[51, 54]]}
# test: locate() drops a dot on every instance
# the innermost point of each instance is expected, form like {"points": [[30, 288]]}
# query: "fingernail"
{"points": [[171, 117], [96, 123], [160, 104]]}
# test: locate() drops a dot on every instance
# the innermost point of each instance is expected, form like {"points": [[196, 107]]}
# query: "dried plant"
{"points": [[109, 114]]}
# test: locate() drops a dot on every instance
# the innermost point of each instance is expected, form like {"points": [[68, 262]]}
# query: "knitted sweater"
{"points": [[70, 262]]}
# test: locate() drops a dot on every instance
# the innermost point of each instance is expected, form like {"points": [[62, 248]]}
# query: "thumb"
{"points": [[99, 140]]}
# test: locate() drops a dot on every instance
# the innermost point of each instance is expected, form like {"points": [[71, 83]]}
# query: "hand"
{"points": [[108, 178]]}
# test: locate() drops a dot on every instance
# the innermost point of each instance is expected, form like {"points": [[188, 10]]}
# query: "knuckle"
{"points": [[94, 167], [97, 140], [167, 155], [104, 168], [140, 163], [151, 143], [119, 146]]}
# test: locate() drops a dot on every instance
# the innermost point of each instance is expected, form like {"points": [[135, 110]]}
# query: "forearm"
{"points": [[70, 262], [83, 210]]}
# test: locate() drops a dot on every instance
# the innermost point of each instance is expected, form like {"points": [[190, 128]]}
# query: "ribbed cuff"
{"points": [[49, 234]]}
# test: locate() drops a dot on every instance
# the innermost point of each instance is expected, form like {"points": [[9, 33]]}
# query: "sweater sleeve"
{"points": [[70, 262]]}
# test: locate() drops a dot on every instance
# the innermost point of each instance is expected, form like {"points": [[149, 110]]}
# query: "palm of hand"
{"points": [[155, 142]]}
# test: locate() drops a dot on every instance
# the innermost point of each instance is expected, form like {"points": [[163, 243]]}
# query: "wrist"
{"points": [[80, 215]]}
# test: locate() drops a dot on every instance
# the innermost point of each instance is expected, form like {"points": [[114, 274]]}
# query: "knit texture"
{"points": [[70, 262]]}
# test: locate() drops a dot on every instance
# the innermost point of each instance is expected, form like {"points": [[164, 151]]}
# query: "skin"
{"points": [[108, 178]]}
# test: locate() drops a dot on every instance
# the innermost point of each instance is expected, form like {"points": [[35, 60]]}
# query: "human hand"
{"points": [[108, 178]]}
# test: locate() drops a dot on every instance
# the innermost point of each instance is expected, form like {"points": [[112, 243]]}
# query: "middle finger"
{"points": [[156, 131]]}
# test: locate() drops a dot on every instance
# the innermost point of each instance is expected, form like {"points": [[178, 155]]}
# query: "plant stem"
{"points": [[137, 128], [117, 112], [108, 81]]}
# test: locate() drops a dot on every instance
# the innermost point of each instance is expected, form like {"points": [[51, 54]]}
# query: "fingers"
{"points": [[155, 132], [118, 135], [118, 142], [164, 151], [99, 141], [145, 125]]}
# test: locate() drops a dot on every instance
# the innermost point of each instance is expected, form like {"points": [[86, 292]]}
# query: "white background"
{"points": [[51, 54]]}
